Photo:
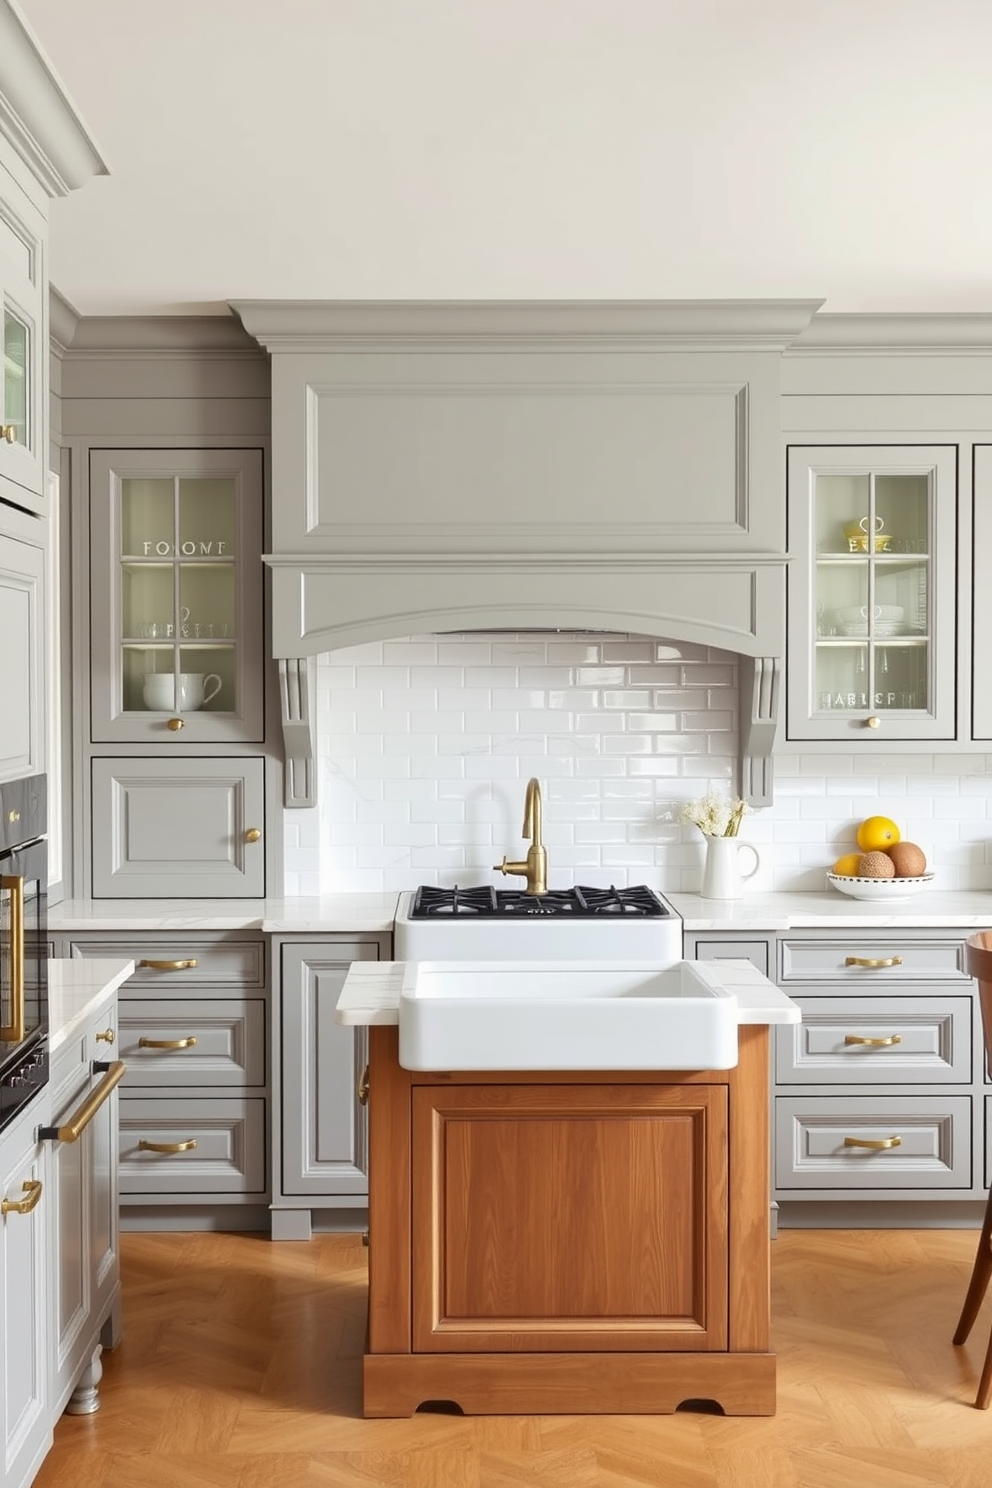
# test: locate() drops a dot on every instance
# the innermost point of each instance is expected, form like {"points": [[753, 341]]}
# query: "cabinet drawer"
{"points": [[221, 1043], [887, 956], [755, 951], [236, 964], [933, 1150], [906, 1040], [228, 1158]]}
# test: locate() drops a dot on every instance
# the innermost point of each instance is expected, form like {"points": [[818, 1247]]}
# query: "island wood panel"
{"points": [[389, 1195], [749, 1247], [569, 1217]]}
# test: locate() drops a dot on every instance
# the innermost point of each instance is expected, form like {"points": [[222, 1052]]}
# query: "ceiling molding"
{"points": [[105, 335], [927, 333], [668, 325], [63, 320], [38, 116]]}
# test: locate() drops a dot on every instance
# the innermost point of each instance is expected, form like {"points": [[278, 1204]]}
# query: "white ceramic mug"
{"points": [[195, 689], [722, 876]]}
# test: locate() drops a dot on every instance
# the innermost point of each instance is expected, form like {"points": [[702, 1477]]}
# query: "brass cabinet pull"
{"points": [[877, 1144], [32, 1187], [15, 1029], [873, 1043], [868, 961], [171, 965], [363, 1087], [106, 1037], [186, 1146], [183, 1043], [9, 432], [175, 724], [73, 1129], [253, 834]]}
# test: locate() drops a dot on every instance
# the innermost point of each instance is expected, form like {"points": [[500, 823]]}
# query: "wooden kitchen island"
{"points": [[592, 1242]]}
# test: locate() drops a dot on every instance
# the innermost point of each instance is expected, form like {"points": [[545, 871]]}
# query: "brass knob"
{"points": [[9, 432], [874, 721], [106, 1037], [175, 724], [253, 834]]}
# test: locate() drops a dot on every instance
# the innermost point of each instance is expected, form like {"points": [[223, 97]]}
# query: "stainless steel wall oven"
{"points": [[23, 943]]}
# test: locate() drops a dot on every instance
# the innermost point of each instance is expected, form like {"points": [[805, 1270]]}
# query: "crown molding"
{"points": [[37, 115], [665, 325], [63, 320], [164, 335], [925, 332]]}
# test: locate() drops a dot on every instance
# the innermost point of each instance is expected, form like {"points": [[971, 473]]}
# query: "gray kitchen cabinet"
{"points": [[85, 1212], [175, 596], [320, 1139], [872, 593], [194, 1101], [981, 698], [22, 628], [24, 299], [189, 827], [25, 1259]]}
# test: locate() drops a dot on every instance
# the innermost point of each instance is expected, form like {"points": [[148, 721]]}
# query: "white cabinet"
{"points": [[24, 305], [320, 1134], [872, 594], [25, 1413], [982, 593], [22, 635]]}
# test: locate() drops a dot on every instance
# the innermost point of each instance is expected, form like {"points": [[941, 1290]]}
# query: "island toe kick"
{"points": [[564, 1242]]}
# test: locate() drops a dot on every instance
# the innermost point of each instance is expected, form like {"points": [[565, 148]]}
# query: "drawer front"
{"points": [[214, 1043], [228, 1156], [868, 961], [876, 1041], [931, 1150], [237, 964], [755, 951]]}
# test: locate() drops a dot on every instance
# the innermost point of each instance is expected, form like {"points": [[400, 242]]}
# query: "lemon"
{"points": [[847, 866], [877, 834]]}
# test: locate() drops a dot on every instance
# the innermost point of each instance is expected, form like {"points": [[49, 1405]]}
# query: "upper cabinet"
{"points": [[176, 590], [24, 296], [872, 594]]}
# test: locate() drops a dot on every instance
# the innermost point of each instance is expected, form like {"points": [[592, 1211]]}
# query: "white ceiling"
{"points": [[517, 149]]}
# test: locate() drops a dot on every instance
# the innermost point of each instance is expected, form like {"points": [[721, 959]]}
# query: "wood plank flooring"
{"points": [[241, 1368]]}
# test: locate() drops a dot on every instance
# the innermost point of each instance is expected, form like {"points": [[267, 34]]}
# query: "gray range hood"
{"points": [[572, 466]]}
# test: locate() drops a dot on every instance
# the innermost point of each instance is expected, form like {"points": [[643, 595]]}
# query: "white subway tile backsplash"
{"points": [[425, 746]]}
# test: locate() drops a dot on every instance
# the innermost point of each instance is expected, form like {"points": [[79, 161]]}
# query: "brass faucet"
{"points": [[535, 868]]}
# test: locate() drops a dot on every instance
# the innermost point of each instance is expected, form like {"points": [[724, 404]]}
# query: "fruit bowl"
{"points": [[880, 888]]}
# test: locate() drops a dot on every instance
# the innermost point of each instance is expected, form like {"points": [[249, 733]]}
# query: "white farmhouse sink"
{"points": [[565, 1015]]}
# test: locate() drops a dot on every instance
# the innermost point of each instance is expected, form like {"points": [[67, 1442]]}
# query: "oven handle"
{"points": [[14, 1030], [80, 1120]]}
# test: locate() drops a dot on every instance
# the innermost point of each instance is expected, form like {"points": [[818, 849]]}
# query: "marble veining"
{"points": [[78, 988]]}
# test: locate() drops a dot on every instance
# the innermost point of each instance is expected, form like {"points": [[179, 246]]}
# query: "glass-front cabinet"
{"points": [[871, 592], [176, 598], [22, 425]]}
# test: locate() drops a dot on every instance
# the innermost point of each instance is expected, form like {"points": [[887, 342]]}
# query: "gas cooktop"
{"points": [[578, 903]]}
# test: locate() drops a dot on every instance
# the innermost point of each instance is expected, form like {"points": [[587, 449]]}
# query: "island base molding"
{"points": [[570, 1384]]}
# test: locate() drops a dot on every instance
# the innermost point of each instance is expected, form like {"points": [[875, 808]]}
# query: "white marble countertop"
{"points": [[373, 913], [78, 988], [371, 993]]}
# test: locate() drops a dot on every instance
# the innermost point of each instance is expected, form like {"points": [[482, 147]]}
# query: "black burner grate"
{"points": [[639, 902]]}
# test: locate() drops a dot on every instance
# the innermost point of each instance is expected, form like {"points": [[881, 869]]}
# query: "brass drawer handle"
{"points": [[106, 1037], [13, 883], [183, 1043], [873, 1043], [73, 1129], [171, 965], [363, 1087], [186, 1146], [23, 1206], [877, 1144], [867, 961]]}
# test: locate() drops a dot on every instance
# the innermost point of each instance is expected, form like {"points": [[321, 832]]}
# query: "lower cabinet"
{"points": [[193, 1139], [25, 1229], [879, 1093], [319, 1130]]}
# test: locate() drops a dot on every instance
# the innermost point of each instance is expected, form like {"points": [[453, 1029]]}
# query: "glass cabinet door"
{"points": [[867, 610], [22, 432], [177, 594]]}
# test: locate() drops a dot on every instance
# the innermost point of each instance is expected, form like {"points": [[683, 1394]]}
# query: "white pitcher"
{"points": [[722, 876]]}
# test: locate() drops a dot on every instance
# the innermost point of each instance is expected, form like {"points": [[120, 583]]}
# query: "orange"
{"points": [[877, 834], [847, 866]]}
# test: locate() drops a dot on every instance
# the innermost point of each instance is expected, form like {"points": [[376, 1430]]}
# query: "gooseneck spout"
{"points": [[535, 867]]}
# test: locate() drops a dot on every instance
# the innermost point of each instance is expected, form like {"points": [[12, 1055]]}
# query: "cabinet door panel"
{"points": [[22, 627], [221, 1147], [876, 1041], [982, 592], [24, 1366], [928, 1143], [177, 828], [569, 1217], [24, 330]]}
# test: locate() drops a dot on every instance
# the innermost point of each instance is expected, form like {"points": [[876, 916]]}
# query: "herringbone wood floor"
{"points": [[241, 1366]]}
